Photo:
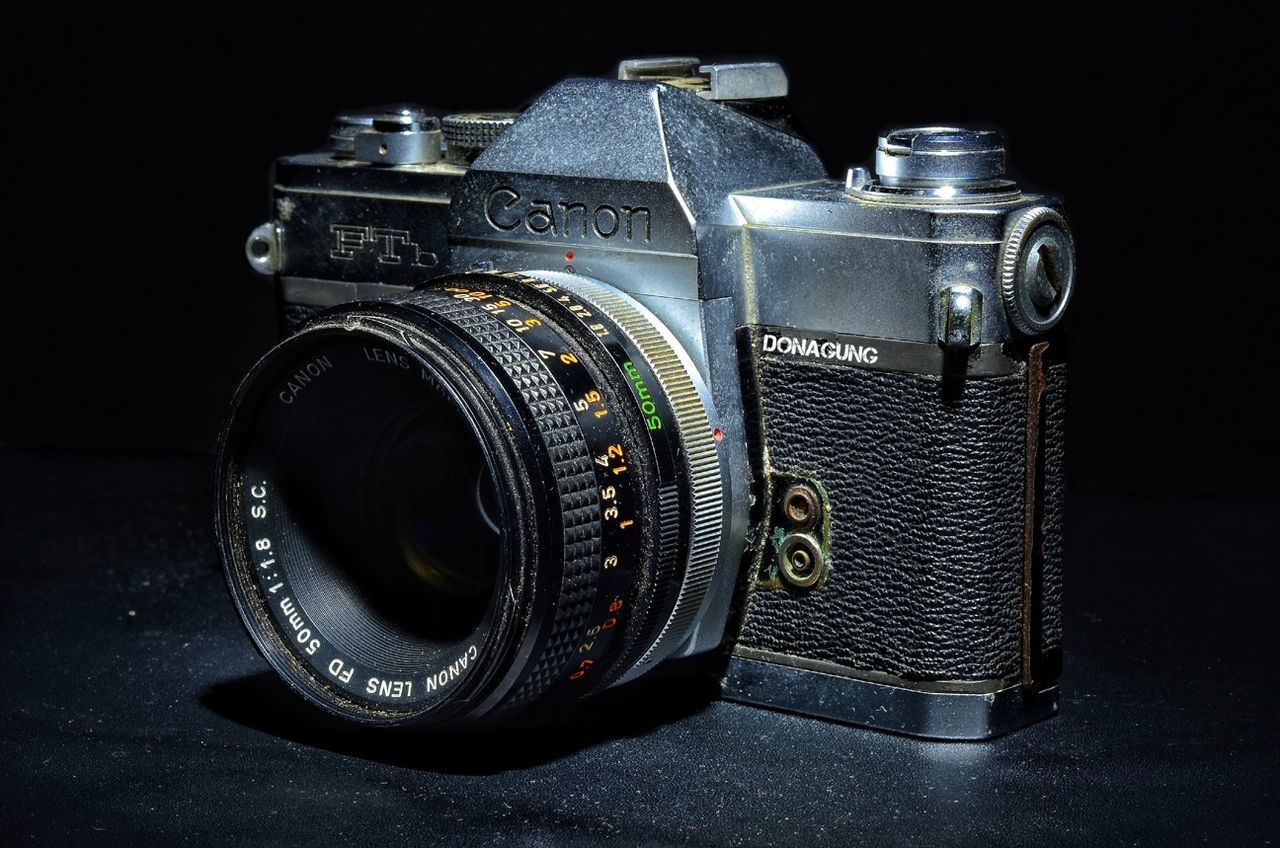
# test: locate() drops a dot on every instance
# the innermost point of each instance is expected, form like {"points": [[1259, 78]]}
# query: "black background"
{"points": [[142, 150], [138, 158]]}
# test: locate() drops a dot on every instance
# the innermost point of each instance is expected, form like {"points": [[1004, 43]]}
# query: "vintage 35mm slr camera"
{"points": [[625, 377]]}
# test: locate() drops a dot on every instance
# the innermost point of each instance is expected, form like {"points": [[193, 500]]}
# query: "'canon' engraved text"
{"points": [[507, 210]]}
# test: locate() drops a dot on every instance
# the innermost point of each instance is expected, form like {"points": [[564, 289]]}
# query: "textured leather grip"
{"points": [[925, 484]]}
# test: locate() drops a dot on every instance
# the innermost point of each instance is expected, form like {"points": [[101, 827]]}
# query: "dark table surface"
{"points": [[134, 709]]}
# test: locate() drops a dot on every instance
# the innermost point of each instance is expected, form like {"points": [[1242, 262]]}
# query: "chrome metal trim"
{"points": [[930, 714]]}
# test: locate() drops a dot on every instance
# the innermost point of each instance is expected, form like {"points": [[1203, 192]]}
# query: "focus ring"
{"points": [[701, 461], [575, 479]]}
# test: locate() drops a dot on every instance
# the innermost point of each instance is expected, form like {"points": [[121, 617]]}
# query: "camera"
{"points": [[625, 378]]}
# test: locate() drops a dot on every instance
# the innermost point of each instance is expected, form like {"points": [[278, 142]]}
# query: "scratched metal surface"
{"points": [[135, 711]]}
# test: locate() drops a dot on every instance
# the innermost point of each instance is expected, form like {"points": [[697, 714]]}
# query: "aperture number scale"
{"points": [[590, 402]]}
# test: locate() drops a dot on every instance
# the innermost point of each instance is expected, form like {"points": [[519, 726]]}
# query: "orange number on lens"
{"points": [[582, 669]]}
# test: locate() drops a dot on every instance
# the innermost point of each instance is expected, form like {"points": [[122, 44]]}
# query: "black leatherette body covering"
{"points": [[926, 495]]}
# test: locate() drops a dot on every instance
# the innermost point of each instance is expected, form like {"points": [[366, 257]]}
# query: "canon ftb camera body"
{"points": [[625, 377]]}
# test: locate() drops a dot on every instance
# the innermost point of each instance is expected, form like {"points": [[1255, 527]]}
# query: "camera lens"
{"points": [[498, 491]]}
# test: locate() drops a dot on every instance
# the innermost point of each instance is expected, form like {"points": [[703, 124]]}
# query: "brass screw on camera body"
{"points": [[800, 560], [801, 506], [800, 557]]}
